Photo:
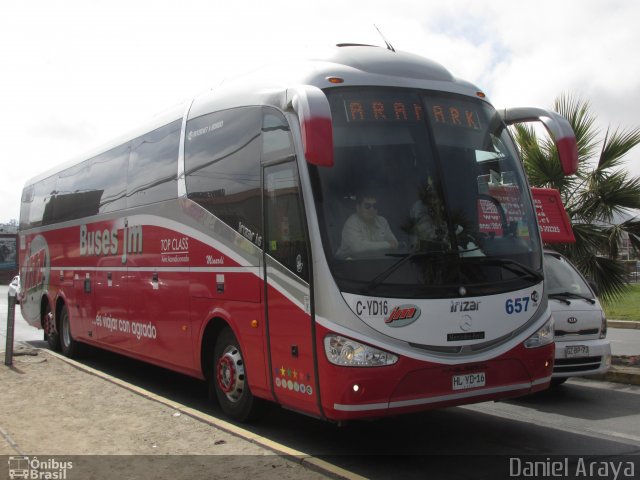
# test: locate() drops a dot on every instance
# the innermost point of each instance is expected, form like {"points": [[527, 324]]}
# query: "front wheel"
{"points": [[229, 380], [556, 382], [68, 345]]}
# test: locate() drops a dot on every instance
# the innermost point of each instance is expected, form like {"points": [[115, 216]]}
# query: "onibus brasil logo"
{"points": [[33, 468]]}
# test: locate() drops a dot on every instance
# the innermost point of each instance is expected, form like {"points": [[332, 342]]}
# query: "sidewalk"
{"points": [[50, 407]]}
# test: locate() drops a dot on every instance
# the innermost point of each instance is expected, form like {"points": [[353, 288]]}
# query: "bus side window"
{"points": [[286, 239], [222, 166], [285, 228], [153, 166], [97, 185]]}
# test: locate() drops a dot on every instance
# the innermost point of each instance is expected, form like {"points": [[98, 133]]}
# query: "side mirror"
{"points": [[314, 115], [594, 287], [559, 128]]}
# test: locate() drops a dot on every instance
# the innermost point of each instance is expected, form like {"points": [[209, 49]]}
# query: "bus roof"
{"points": [[358, 65]]}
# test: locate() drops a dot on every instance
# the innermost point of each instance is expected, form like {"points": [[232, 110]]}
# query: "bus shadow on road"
{"points": [[583, 401]]}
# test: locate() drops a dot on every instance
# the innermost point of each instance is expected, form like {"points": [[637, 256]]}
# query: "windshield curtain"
{"points": [[426, 195]]}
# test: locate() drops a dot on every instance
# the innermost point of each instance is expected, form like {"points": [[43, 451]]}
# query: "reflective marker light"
{"points": [[603, 326], [349, 353]]}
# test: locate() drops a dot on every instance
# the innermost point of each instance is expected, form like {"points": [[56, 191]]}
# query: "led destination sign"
{"points": [[406, 108], [383, 110]]}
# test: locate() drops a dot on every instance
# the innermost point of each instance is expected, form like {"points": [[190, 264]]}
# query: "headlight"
{"points": [[603, 327], [542, 337], [349, 353]]}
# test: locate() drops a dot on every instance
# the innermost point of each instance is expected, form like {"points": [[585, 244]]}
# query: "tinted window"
{"points": [[426, 194], [41, 212], [95, 186], [276, 136], [153, 166], [73, 200], [285, 228], [25, 206], [222, 164]]}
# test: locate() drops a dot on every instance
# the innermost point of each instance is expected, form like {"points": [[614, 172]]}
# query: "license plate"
{"points": [[573, 351], [470, 380]]}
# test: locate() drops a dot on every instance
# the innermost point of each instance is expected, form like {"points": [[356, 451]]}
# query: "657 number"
{"points": [[516, 305]]}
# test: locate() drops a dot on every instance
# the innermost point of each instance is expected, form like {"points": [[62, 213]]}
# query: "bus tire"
{"points": [[68, 345], [229, 379], [52, 338]]}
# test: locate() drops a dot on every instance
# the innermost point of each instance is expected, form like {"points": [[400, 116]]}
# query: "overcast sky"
{"points": [[74, 74]]}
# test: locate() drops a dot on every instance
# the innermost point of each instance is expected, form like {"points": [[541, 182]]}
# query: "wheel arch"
{"points": [[208, 340]]}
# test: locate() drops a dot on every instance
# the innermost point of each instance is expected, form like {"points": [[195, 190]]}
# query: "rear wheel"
{"points": [[229, 380], [68, 345], [51, 333]]}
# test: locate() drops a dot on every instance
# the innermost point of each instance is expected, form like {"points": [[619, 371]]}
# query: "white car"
{"points": [[580, 323], [14, 288]]}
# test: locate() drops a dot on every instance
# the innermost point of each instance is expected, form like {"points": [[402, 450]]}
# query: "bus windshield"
{"points": [[427, 196]]}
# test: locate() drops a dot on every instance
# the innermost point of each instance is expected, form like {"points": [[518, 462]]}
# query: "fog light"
{"points": [[356, 388]]}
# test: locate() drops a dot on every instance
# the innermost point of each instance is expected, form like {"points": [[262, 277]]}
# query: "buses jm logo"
{"points": [[106, 242], [403, 315]]}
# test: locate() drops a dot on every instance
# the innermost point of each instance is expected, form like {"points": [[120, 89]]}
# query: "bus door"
{"points": [[288, 309], [287, 273]]}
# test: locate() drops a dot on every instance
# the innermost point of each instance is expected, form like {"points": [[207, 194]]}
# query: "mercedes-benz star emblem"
{"points": [[465, 323]]}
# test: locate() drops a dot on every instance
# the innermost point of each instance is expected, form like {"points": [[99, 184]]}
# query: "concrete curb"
{"points": [[635, 325], [618, 374], [305, 459]]}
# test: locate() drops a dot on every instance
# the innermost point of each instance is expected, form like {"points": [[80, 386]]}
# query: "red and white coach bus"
{"points": [[353, 237]]}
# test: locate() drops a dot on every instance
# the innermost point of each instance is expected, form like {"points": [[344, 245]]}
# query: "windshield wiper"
{"points": [[565, 295], [559, 296], [405, 258]]}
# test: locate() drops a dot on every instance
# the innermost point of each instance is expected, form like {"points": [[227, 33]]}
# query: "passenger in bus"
{"points": [[365, 230], [426, 225]]}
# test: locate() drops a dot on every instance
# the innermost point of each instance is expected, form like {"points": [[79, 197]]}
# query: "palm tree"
{"points": [[600, 192]]}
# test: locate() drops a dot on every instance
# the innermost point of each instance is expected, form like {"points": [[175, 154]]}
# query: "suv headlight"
{"points": [[542, 337], [603, 326], [349, 353]]}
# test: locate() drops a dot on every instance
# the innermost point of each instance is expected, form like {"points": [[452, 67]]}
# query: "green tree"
{"points": [[595, 197]]}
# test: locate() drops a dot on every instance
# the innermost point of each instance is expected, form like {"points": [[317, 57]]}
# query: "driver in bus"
{"points": [[365, 230]]}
